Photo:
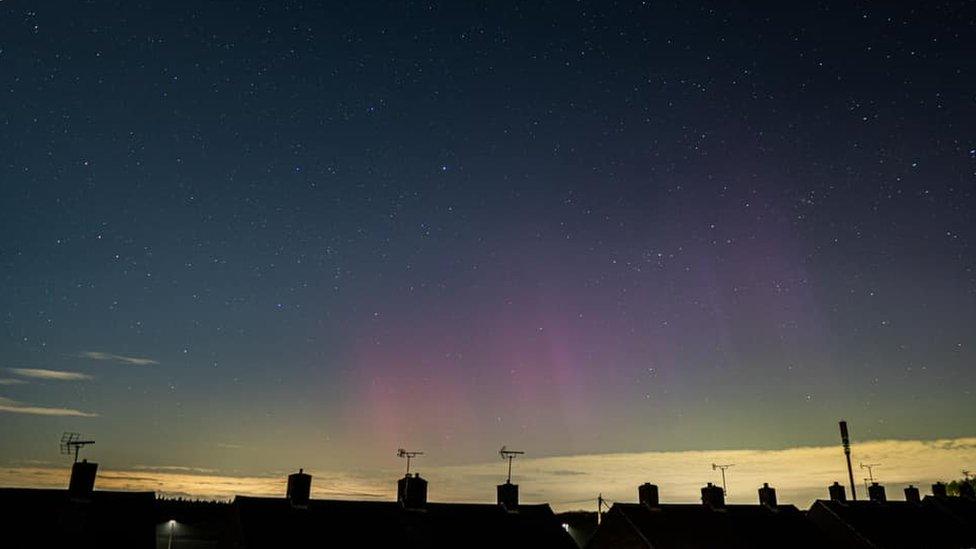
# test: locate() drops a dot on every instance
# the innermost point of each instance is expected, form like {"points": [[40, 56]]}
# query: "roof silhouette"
{"points": [[275, 522], [53, 518], [893, 524], [692, 526]]}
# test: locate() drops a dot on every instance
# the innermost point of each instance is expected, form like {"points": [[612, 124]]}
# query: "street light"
{"points": [[172, 526]]}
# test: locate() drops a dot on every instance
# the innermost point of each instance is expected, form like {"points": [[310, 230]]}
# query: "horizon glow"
{"points": [[800, 475]]}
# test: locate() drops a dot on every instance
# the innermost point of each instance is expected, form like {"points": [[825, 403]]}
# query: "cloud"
{"points": [[800, 474], [953, 445], [173, 469], [566, 473], [59, 375], [133, 360], [11, 381], [14, 407]]}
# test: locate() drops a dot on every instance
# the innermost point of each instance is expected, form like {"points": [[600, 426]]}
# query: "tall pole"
{"points": [[846, 440], [509, 480]]}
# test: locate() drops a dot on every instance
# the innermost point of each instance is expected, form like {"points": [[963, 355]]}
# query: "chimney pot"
{"points": [[837, 492], [912, 494], [767, 495], [508, 495], [647, 494], [412, 491], [299, 488], [713, 496], [876, 492], [82, 482]]}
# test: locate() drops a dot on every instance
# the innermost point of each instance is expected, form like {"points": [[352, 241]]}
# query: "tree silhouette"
{"points": [[954, 488]]}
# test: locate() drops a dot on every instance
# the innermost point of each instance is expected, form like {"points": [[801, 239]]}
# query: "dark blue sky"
{"points": [[340, 228]]}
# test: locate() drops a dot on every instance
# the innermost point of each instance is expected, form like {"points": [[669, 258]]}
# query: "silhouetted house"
{"points": [[892, 524], [79, 517], [960, 509], [411, 522], [711, 524]]}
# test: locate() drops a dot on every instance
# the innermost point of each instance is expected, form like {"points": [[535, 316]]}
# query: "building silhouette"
{"points": [[410, 522], [709, 524], [81, 516], [934, 522]]}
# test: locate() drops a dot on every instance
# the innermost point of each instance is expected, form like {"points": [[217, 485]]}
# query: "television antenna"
{"points": [[71, 443], [870, 467], [723, 467], [401, 453], [509, 455]]}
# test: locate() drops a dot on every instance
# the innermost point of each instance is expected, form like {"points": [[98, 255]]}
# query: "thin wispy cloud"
{"points": [[174, 469], [11, 381], [57, 375], [14, 407], [122, 359], [229, 446]]}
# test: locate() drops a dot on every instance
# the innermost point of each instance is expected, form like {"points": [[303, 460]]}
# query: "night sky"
{"points": [[252, 236]]}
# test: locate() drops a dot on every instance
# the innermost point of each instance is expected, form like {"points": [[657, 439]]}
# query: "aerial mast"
{"points": [[723, 467], [846, 441], [71, 443], [509, 455], [401, 453], [870, 467]]}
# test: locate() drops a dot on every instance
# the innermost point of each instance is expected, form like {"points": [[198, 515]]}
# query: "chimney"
{"points": [[713, 496], [767, 495], [508, 496], [966, 490], [939, 490], [82, 481], [647, 494], [912, 495], [412, 491], [876, 492], [299, 488], [837, 492]]}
